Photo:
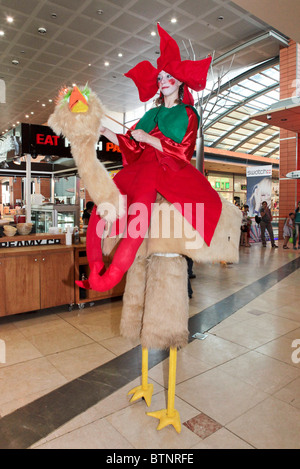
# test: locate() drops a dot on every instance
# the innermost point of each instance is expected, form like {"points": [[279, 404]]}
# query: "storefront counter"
{"points": [[34, 277]]}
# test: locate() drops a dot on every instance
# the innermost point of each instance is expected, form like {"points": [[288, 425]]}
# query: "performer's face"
{"points": [[167, 84]]}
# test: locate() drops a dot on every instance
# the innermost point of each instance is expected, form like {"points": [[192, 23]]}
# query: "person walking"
{"points": [[297, 227], [265, 224], [288, 229]]}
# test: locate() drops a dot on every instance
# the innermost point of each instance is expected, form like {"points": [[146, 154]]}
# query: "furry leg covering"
{"points": [[165, 322], [134, 299]]}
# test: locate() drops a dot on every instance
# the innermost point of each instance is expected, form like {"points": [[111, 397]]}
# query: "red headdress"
{"points": [[192, 73]]}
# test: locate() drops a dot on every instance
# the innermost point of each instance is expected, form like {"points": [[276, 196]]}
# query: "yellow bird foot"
{"points": [[165, 419], [142, 392]]}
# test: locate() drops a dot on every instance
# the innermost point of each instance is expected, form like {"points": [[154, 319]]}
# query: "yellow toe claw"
{"points": [[142, 392], [165, 419]]}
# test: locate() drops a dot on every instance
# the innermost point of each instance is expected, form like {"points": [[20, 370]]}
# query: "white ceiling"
{"points": [[281, 15], [78, 36]]}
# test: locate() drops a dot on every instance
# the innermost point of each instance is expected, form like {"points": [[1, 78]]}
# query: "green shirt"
{"points": [[172, 122]]}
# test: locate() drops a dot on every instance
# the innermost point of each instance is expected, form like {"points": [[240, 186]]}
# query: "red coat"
{"points": [[170, 173]]}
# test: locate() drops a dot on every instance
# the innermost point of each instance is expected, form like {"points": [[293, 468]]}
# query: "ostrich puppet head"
{"points": [[77, 116], [78, 113]]}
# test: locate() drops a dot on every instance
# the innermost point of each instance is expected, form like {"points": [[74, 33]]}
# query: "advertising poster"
{"points": [[259, 189]]}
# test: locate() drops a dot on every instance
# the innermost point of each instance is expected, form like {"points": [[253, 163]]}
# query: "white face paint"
{"points": [[167, 84]]}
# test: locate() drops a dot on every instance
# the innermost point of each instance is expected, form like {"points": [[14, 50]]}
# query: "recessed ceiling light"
{"points": [[220, 18], [42, 30], [50, 100], [2, 33], [174, 20], [106, 64], [43, 105], [53, 15], [27, 116], [15, 62], [9, 19], [153, 33], [32, 112], [120, 54], [100, 12], [90, 65]]}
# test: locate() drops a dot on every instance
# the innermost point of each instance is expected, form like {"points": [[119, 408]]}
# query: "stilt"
{"points": [[146, 389], [169, 416]]}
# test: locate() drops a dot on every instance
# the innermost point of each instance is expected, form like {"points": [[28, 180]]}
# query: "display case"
{"points": [[47, 216]]}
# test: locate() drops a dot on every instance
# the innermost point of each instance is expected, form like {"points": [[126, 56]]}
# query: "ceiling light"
{"points": [[9, 19], [120, 54], [53, 15], [32, 112], [42, 30], [43, 105], [1, 33], [50, 100], [15, 62], [174, 20], [106, 64], [153, 33], [27, 116], [220, 18], [100, 12], [90, 65]]}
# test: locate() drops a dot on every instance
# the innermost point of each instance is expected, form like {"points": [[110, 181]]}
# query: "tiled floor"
{"points": [[67, 374]]}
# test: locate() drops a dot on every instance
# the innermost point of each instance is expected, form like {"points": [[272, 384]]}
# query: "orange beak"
{"points": [[77, 102]]}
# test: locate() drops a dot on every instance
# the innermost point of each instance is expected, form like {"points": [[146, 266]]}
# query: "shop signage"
{"points": [[37, 140], [259, 188], [10, 145], [293, 175], [259, 171], [27, 243]]}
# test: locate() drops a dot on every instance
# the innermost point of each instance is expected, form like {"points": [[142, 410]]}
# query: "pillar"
{"points": [[289, 190], [45, 187]]}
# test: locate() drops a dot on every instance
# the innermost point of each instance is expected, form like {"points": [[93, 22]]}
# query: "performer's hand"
{"points": [[139, 135]]}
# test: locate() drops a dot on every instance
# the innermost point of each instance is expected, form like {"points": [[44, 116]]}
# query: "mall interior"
{"points": [[65, 369]]}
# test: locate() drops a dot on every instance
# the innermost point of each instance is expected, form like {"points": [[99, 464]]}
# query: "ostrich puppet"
{"points": [[155, 301]]}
